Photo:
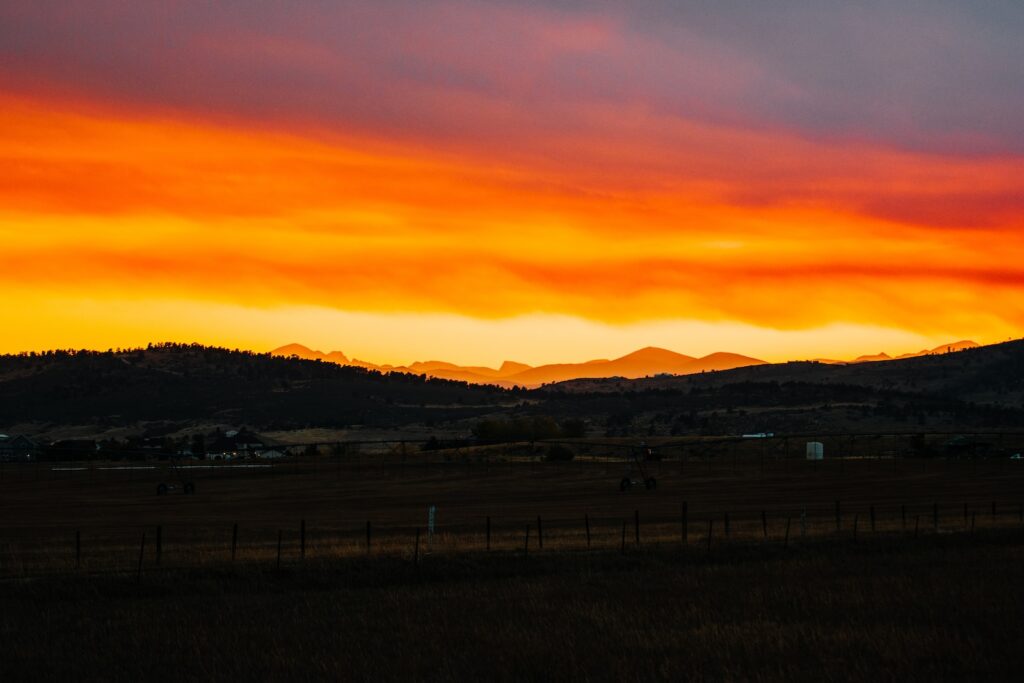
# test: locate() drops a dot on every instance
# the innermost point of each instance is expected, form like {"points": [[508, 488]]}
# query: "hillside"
{"points": [[191, 383], [175, 388], [982, 374]]}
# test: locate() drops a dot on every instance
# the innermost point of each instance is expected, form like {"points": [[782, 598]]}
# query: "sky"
{"points": [[538, 181]]}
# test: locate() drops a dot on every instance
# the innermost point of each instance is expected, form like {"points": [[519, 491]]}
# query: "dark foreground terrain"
{"points": [[921, 577], [937, 607]]}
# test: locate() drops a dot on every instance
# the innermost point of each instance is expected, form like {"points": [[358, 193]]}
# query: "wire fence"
{"points": [[135, 549]]}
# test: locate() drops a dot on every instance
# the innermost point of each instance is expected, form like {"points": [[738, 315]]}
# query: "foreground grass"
{"points": [[941, 607]]}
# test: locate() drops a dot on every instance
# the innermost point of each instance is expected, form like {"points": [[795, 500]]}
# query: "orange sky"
{"points": [[127, 222]]}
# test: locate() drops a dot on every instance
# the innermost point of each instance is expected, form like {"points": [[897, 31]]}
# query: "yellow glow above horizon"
{"points": [[123, 228]]}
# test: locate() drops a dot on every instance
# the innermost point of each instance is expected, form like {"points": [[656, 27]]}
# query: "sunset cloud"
{"points": [[786, 170]]}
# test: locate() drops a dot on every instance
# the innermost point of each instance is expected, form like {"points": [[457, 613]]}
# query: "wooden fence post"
{"points": [[234, 540], [142, 550], [586, 524]]}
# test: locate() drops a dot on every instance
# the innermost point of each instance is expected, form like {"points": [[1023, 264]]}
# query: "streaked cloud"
{"points": [[775, 165]]}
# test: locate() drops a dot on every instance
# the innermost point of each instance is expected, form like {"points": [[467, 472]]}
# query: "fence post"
{"points": [[540, 534], [586, 524], [685, 521], [636, 526], [234, 540], [142, 550], [764, 524], [488, 532], [159, 542]]}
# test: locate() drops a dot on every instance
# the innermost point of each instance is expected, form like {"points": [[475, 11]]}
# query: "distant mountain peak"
{"points": [[510, 366], [307, 353], [654, 353], [955, 346]]}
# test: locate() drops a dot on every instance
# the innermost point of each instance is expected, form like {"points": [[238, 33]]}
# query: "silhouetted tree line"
{"points": [[183, 382], [527, 428]]}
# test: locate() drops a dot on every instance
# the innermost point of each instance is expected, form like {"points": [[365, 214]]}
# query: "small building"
{"points": [[240, 444], [18, 449], [815, 450]]}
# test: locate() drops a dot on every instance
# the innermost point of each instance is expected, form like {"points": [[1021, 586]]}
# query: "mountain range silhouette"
{"points": [[645, 362]]}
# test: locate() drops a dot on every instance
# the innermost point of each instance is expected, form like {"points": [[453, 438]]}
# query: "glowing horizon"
{"points": [[558, 184]]}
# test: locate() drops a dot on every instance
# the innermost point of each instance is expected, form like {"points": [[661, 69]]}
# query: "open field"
{"points": [[939, 607], [42, 508], [910, 599]]}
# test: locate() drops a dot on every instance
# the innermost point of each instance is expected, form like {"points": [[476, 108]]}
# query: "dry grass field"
{"points": [[43, 507], [909, 600]]}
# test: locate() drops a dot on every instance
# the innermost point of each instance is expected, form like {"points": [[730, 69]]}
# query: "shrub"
{"points": [[559, 452]]}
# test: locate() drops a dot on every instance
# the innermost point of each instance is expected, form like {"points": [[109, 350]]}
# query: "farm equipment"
{"points": [[635, 466], [179, 484]]}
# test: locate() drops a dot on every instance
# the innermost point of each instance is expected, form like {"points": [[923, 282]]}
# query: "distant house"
{"points": [[240, 444], [18, 449]]}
